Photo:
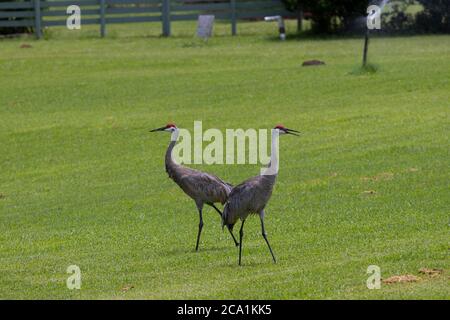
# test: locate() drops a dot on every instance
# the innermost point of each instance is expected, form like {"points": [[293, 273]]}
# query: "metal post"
{"points": [[165, 11], [102, 18], [300, 17], [366, 47], [37, 18], [233, 17]]}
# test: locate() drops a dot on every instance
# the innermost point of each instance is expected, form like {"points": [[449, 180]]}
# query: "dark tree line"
{"points": [[329, 16], [435, 17], [341, 16]]}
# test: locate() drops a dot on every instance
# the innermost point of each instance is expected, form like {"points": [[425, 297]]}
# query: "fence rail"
{"points": [[48, 13]]}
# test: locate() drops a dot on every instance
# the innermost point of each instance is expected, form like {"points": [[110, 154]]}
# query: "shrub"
{"points": [[338, 16], [397, 20], [435, 18], [330, 16]]}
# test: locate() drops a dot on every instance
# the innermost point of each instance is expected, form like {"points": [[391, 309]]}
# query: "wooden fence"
{"points": [[38, 14]]}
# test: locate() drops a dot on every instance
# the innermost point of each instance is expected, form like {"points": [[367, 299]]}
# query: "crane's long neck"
{"points": [[272, 169], [171, 165]]}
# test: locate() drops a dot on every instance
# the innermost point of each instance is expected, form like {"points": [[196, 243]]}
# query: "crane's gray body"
{"points": [[200, 186], [252, 196], [249, 197], [203, 188]]}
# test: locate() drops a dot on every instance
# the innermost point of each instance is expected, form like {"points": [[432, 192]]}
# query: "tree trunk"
{"points": [[299, 16]]}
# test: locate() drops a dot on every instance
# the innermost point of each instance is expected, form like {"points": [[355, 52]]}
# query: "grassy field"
{"points": [[83, 181]]}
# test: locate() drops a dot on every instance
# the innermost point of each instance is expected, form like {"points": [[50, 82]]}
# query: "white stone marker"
{"points": [[205, 26]]}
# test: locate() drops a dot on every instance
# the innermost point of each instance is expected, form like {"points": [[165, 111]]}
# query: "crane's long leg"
{"points": [[229, 229], [200, 225], [264, 234], [241, 236], [218, 211], [231, 232]]}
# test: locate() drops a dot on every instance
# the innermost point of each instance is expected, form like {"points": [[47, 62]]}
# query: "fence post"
{"points": [[165, 8], [102, 18], [37, 18], [233, 17]]}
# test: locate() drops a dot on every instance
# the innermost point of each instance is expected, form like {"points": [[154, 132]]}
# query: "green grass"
{"points": [[82, 181]]}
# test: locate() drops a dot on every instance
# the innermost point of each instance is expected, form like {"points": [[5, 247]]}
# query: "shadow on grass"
{"points": [[246, 263], [185, 250], [368, 69], [308, 35]]}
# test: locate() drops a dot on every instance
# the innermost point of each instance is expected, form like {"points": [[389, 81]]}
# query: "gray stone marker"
{"points": [[205, 26]]}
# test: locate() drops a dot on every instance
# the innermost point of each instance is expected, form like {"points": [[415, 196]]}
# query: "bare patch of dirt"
{"points": [[384, 176], [2, 196], [401, 278], [26, 46], [127, 288], [369, 192], [308, 63], [413, 169], [112, 123], [431, 272]]}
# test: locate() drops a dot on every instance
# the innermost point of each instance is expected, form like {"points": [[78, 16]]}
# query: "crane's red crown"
{"points": [[280, 126], [171, 125]]}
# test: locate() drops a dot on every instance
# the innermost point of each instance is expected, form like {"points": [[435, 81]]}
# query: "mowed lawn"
{"points": [[82, 181]]}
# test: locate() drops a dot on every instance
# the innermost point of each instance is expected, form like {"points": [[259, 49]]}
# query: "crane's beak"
{"points": [[159, 129], [293, 132]]}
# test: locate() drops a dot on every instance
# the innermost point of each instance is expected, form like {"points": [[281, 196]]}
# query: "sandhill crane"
{"points": [[251, 196], [203, 188]]}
